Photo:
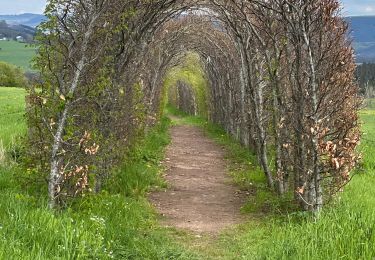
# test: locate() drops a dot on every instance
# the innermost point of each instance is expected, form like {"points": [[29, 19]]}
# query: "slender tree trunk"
{"points": [[317, 199], [55, 175]]}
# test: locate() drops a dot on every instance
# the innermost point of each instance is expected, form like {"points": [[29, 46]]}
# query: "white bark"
{"points": [[55, 174]]}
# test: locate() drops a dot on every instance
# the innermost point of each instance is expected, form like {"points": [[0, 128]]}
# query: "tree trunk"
{"points": [[55, 175]]}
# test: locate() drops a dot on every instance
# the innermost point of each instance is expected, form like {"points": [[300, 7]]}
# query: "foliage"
{"points": [[191, 73], [11, 76], [86, 147]]}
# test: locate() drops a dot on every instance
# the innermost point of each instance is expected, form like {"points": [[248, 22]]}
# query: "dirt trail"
{"points": [[201, 197]]}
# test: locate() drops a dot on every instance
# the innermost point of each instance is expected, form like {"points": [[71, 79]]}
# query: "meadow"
{"points": [[12, 122], [120, 223], [16, 53]]}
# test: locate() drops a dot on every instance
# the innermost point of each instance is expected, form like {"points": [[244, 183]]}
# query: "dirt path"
{"points": [[201, 197]]}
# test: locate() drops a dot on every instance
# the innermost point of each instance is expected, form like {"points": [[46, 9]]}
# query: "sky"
{"points": [[351, 7], [358, 7], [22, 6]]}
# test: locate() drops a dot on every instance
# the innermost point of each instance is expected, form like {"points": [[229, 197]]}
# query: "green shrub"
{"points": [[11, 76]]}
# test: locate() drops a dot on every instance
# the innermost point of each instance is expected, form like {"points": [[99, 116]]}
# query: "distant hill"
{"points": [[11, 32], [27, 19], [363, 35]]}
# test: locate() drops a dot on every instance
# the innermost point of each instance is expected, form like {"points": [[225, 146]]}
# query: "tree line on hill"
{"points": [[29, 19], [12, 76], [11, 32]]}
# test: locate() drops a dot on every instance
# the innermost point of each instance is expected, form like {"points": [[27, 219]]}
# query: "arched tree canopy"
{"points": [[279, 76]]}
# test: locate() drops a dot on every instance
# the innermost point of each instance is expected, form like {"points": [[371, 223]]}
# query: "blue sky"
{"points": [[351, 7]]}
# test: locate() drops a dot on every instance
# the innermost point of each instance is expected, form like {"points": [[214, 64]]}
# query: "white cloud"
{"points": [[369, 9], [358, 7]]}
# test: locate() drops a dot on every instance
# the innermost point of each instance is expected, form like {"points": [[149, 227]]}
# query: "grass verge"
{"points": [[118, 223]]}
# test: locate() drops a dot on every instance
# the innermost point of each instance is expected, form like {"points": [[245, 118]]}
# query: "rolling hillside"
{"points": [[12, 31], [27, 19], [363, 34]]}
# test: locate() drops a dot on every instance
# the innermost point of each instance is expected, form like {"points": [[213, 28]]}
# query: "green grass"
{"points": [[18, 54], [12, 110], [142, 169], [102, 227]]}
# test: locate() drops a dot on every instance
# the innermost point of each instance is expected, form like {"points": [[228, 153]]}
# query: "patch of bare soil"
{"points": [[201, 196]]}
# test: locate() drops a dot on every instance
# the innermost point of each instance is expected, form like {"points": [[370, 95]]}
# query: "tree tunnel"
{"points": [[279, 78], [186, 86]]}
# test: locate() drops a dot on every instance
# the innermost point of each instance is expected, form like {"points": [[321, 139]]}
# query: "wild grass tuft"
{"points": [[2, 152], [142, 169]]}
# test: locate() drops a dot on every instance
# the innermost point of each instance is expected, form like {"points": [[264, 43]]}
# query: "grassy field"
{"points": [[12, 109], [120, 223], [19, 54]]}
